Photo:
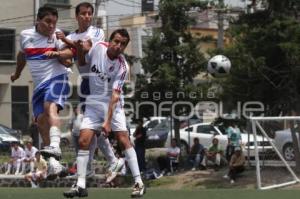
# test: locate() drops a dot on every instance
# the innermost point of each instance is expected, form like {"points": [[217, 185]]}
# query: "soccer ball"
{"points": [[218, 66]]}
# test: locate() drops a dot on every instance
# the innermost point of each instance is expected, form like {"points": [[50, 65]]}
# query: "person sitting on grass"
{"points": [[164, 162], [197, 154], [236, 165], [40, 171], [215, 154], [16, 159]]}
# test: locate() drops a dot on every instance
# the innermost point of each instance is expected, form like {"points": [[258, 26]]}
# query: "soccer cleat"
{"points": [[50, 151], [139, 190], [76, 191], [54, 169], [114, 169], [63, 173]]}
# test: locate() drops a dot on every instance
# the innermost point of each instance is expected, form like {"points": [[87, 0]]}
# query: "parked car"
{"points": [[149, 125], [284, 143], [160, 136], [6, 138]]}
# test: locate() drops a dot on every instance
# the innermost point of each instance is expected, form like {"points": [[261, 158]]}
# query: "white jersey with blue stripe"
{"points": [[34, 45], [94, 34], [106, 75]]}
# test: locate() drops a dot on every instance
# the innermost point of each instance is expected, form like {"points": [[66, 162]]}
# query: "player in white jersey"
{"points": [[16, 159], [29, 157], [91, 35], [39, 48], [104, 107]]}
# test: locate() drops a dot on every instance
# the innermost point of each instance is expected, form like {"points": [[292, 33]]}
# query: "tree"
{"points": [[265, 55], [172, 58]]}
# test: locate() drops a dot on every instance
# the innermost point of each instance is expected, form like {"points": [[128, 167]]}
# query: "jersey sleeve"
{"points": [[22, 41], [121, 75], [97, 36]]}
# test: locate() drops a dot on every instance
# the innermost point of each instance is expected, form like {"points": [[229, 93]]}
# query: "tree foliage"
{"points": [[265, 58]]}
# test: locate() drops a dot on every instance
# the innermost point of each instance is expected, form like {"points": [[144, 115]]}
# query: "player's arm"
{"points": [[61, 36], [82, 47], [106, 127], [21, 62]]}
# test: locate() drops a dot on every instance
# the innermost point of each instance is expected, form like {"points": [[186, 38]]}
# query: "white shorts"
{"points": [[95, 114]]}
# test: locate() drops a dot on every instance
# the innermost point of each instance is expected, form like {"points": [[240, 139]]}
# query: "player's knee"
{"points": [[83, 143], [124, 142]]}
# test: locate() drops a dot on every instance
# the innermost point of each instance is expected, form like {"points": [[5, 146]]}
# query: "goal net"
{"points": [[276, 151]]}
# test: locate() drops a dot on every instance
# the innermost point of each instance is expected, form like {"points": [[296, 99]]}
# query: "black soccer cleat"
{"points": [[76, 191]]}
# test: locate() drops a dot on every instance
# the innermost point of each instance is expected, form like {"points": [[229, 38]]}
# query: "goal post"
{"points": [[258, 127]]}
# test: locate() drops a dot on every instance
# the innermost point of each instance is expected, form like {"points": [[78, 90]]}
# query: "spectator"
{"points": [[139, 142], [29, 157], [40, 171], [234, 138], [164, 162], [236, 165], [33, 129], [16, 159], [215, 154], [197, 154]]}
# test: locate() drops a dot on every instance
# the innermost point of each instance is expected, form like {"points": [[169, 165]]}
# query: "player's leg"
{"points": [[79, 189], [90, 122], [121, 134], [55, 96], [115, 164]]}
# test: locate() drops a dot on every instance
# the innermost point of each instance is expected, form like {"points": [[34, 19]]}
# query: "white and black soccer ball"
{"points": [[219, 66]]}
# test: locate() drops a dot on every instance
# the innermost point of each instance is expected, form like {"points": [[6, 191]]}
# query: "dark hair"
{"points": [[196, 139], [45, 10], [122, 32], [83, 4]]}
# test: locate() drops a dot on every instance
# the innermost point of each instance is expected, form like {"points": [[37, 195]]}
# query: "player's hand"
{"points": [[14, 77], [60, 35], [52, 54], [106, 129]]}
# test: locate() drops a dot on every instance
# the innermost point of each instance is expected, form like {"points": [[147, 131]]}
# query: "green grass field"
{"points": [[55, 193]]}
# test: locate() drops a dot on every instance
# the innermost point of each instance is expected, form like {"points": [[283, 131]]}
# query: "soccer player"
{"points": [[39, 48], [104, 107], [90, 35]]}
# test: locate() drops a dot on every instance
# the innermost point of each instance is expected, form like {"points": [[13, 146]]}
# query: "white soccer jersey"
{"points": [[94, 34], [30, 154], [34, 45], [18, 154], [105, 75]]}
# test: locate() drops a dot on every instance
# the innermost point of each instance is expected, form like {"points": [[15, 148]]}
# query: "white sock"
{"points": [[82, 160], [8, 168], [93, 146], [31, 166], [54, 136], [133, 164], [18, 166], [23, 167], [106, 149]]}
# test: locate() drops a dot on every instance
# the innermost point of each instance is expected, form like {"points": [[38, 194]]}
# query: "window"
{"points": [[7, 44], [56, 2], [20, 107], [207, 129]]}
